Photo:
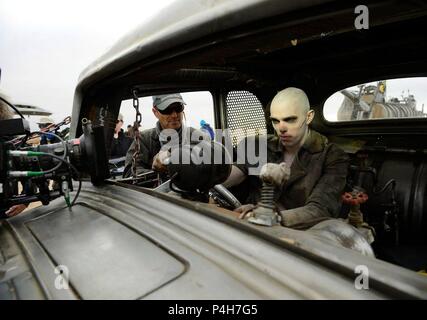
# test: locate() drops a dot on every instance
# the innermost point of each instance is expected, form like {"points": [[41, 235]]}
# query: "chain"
{"points": [[137, 137]]}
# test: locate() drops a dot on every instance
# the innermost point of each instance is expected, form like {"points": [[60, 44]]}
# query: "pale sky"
{"points": [[45, 44]]}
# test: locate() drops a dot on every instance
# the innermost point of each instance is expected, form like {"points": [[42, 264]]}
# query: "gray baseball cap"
{"points": [[45, 120], [163, 101]]}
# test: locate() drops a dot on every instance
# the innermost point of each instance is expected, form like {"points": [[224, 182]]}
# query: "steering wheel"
{"points": [[209, 174]]}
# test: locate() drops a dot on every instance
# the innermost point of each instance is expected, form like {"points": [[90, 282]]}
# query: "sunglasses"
{"points": [[177, 107]]}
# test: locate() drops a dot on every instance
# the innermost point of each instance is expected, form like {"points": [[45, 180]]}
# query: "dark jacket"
{"points": [[318, 177], [150, 145], [48, 138], [120, 146]]}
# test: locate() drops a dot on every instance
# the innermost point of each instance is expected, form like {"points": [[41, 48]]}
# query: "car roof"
{"points": [[259, 45], [181, 22]]}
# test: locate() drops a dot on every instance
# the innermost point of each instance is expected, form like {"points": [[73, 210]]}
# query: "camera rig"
{"points": [[45, 172]]}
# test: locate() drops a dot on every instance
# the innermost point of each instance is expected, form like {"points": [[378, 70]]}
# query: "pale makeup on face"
{"points": [[290, 124]]}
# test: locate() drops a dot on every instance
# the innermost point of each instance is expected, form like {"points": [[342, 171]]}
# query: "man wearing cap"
{"points": [[45, 122], [121, 142], [47, 138], [169, 110]]}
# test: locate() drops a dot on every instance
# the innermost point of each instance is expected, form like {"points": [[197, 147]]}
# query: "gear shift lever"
{"points": [[272, 175]]}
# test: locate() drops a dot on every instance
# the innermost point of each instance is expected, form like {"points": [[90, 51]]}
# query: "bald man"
{"points": [[318, 168]]}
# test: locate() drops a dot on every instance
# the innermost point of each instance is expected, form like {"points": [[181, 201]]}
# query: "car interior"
{"points": [[143, 237], [243, 70]]}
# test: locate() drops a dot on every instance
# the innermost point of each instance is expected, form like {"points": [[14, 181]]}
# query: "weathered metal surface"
{"points": [[106, 259], [223, 257]]}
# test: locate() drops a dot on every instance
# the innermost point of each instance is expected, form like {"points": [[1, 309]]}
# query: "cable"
{"points": [[75, 171], [23, 141], [390, 182], [56, 136], [63, 156], [61, 160], [79, 187], [12, 106]]}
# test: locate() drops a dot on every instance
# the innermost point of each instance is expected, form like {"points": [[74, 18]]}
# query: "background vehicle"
{"points": [[128, 242]]}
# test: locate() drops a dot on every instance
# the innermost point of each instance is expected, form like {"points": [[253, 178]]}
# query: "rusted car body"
{"points": [[122, 241]]}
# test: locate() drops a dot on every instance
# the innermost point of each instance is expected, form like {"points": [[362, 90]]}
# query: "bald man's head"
{"points": [[291, 98], [290, 114]]}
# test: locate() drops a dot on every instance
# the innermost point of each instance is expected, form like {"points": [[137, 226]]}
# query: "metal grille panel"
{"points": [[245, 115]]}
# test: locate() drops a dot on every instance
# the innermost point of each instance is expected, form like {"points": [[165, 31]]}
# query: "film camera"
{"points": [[47, 171]]}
